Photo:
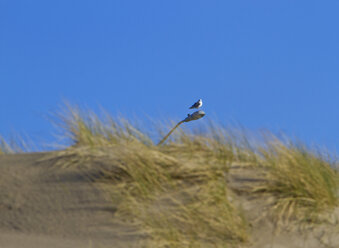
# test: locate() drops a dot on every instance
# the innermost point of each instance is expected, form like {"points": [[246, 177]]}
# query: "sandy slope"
{"points": [[41, 206], [263, 232], [44, 207]]}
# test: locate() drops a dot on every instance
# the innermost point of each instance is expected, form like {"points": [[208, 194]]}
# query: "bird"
{"points": [[197, 104]]}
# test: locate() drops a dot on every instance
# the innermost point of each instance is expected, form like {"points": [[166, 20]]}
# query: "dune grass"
{"points": [[1, 146], [4, 147], [304, 181], [83, 127], [16, 144], [178, 194], [181, 202]]}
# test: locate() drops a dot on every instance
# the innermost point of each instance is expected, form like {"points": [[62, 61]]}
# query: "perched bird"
{"points": [[196, 105]]}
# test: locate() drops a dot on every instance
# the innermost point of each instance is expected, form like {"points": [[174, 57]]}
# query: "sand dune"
{"points": [[43, 206]]}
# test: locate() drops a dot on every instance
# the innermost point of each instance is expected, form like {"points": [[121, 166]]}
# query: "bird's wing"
{"points": [[194, 105]]}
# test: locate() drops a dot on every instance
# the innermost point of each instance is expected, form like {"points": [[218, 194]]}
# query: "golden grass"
{"points": [[4, 147], [16, 145], [179, 204], [178, 192], [190, 205], [84, 128], [303, 181]]}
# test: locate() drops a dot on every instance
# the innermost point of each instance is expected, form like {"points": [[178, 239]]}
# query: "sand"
{"points": [[41, 206], [44, 206]]}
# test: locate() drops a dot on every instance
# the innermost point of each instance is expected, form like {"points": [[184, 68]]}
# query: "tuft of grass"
{"points": [[178, 192], [82, 127], [15, 145], [179, 202], [213, 142], [304, 182], [5, 147]]}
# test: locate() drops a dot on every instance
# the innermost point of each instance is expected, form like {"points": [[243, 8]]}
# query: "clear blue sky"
{"points": [[266, 64]]}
